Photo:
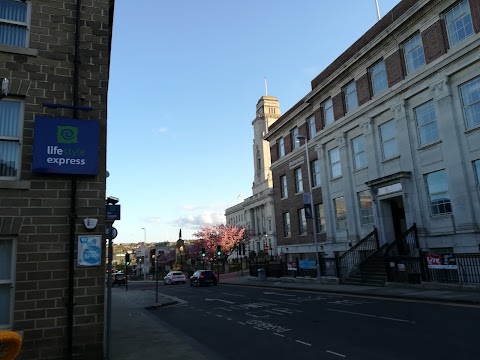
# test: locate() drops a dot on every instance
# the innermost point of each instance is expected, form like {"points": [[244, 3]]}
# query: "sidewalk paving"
{"points": [[138, 334]]}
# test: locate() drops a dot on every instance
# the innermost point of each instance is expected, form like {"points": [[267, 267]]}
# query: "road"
{"points": [[258, 323]]}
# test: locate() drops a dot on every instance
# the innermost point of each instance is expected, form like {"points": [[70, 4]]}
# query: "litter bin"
{"points": [[261, 274]]}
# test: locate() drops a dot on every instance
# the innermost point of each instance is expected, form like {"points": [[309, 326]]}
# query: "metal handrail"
{"points": [[406, 243], [350, 260]]}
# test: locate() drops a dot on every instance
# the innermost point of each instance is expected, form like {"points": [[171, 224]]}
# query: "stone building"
{"points": [[55, 55], [257, 212], [393, 129]]}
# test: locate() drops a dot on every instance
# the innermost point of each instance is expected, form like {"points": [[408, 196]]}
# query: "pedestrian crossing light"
{"points": [[127, 258], [219, 250], [203, 252]]}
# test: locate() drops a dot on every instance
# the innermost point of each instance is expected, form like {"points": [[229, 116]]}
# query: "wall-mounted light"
{"points": [[5, 87]]}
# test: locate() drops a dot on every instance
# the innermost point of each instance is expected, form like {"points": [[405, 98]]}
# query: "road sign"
{"points": [[114, 233], [113, 212]]}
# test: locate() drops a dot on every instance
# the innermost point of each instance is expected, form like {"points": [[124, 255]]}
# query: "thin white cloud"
{"points": [[160, 131], [152, 220], [311, 71], [205, 218]]}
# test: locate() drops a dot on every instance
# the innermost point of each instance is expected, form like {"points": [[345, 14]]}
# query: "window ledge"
{"points": [[15, 184], [391, 159], [360, 170], [336, 178], [18, 50], [472, 129], [429, 145]]}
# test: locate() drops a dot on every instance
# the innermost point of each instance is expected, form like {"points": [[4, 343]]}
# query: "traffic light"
{"points": [[219, 250], [127, 258], [203, 252]]}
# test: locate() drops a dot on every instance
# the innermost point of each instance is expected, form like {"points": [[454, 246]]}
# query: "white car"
{"points": [[174, 277]]}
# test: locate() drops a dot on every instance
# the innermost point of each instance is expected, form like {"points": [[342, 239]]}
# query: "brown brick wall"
{"points": [[319, 122], [364, 92], [302, 131], [38, 216], [288, 144], [395, 68], [274, 152], [338, 102], [435, 43], [293, 202], [475, 11]]}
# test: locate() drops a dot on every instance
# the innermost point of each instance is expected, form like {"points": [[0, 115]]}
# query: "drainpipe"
{"points": [[73, 196]]}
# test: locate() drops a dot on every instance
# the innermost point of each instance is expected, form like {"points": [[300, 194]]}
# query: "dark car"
{"points": [[118, 279], [203, 277]]}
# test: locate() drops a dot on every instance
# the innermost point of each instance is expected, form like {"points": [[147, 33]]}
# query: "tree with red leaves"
{"points": [[227, 236]]}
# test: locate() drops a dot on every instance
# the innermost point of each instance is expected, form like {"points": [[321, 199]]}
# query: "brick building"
{"points": [[393, 130], [56, 57]]}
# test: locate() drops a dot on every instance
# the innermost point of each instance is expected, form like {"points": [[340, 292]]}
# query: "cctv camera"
{"points": [[112, 200]]}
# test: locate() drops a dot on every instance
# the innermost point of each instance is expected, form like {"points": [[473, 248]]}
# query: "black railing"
{"points": [[347, 262], [405, 244], [466, 270], [276, 270], [405, 269]]}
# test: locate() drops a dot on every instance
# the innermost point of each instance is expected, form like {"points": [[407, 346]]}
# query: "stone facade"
{"points": [[41, 215], [381, 165], [257, 212]]}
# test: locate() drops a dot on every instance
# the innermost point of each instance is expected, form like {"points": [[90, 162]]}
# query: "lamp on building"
{"points": [[299, 137], [4, 87]]}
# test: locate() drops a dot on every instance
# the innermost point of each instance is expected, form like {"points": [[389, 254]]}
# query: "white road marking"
{"points": [[273, 293], [304, 343], [241, 323], [208, 312], [220, 316], [281, 302], [257, 328], [222, 308], [234, 295], [334, 353], [394, 319], [279, 334], [225, 301], [374, 316], [351, 312], [228, 319]]}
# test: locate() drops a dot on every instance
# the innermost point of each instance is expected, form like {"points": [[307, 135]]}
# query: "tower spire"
{"points": [[266, 87]]}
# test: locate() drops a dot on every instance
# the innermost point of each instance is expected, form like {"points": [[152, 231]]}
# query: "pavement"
{"points": [[138, 334]]}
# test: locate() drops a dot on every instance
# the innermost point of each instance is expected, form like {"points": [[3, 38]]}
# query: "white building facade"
{"points": [[257, 212], [393, 128]]}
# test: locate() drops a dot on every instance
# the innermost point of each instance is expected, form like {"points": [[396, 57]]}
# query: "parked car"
{"points": [[174, 277], [118, 278], [203, 277]]}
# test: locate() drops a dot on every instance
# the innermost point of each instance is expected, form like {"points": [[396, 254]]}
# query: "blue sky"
{"points": [[185, 78]]}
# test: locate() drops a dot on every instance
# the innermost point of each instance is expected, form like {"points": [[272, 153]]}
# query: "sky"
{"points": [[185, 78]]}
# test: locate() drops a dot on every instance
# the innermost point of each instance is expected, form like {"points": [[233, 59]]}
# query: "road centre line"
{"points": [[354, 313], [258, 328], [334, 353], [241, 323], [304, 343], [278, 334], [394, 319], [374, 316]]}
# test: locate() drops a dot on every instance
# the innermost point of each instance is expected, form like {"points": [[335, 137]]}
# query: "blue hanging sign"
{"points": [[65, 146]]}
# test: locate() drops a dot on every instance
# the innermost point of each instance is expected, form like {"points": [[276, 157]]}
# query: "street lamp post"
{"points": [[312, 207], [145, 241]]}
